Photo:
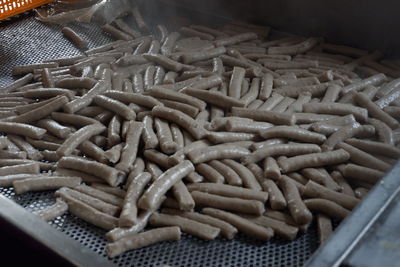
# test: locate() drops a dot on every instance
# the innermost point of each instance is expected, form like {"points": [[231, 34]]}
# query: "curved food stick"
{"points": [[109, 189], [77, 138], [73, 119], [143, 239], [189, 226], [327, 207], [374, 147], [272, 150], [164, 136], [160, 92], [108, 174], [157, 157], [181, 119], [231, 177], [48, 93], [264, 115], [22, 129], [136, 98], [243, 225], [126, 28], [115, 106], [28, 168], [129, 151], [68, 194], [296, 206], [217, 152], [164, 183], [17, 83], [385, 134], [210, 173], [214, 98], [313, 160], [320, 177], [74, 37], [364, 159], [149, 137], [276, 198], [53, 211], [44, 183], [114, 132], [341, 134], [177, 135], [84, 101], [248, 178], [228, 203], [128, 216], [314, 190], [360, 173]]}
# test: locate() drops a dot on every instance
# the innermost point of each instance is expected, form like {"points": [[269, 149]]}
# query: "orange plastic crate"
{"points": [[9, 8]]}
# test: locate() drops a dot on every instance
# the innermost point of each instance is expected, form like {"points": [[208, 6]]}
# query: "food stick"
{"points": [[243, 225], [67, 194], [114, 131], [181, 119], [214, 98], [74, 37], [247, 127], [384, 133], [126, 28], [360, 173], [361, 192], [169, 43], [91, 215], [77, 138], [235, 39], [4, 154], [149, 137], [17, 83], [28, 168], [108, 174], [32, 153], [210, 173], [373, 80], [342, 134], [225, 137], [235, 82], [327, 207], [53, 211], [314, 190], [276, 198], [183, 197], [47, 78], [294, 49], [164, 183], [22, 129], [148, 78], [229, 191], [324, 225], [136, 98], [157, 157], [7, 180], [194, 33], [73, 119], [129, 151], [332, 93], [336, 109], [321, 177], [283, 105], [109, 189], [292, 132], [114, 32], [177, 135], [164, 135], [271, 168], [115, 106], [84, 101], [54, 128], [228, 203], [272, 150], [143, 239], [217, 152], [313, 160], [264, 115], [137, 168], [297, 209], [374, 147], [189, 226], [160, 92], [26, 69], [48, 93], [203, 55], [248, 178], [375, 111], [129, 211], [364, 159], [44, 183]]}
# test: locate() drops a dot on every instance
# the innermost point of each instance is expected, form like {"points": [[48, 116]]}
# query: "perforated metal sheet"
{"points": [[25, 41]]}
